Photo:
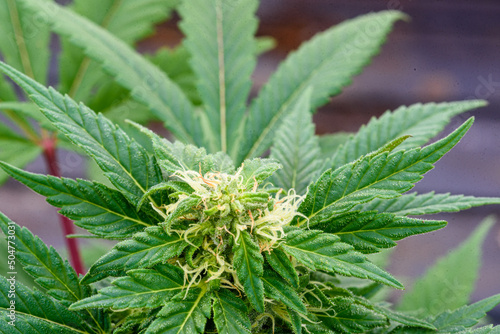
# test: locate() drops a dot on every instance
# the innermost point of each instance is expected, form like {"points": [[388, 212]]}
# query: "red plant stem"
{"points": [[49, 152]]}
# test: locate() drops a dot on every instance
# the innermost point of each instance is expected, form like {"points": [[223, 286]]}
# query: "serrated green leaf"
{"points": [[414, 204], [100, 210], [465, 316], [323, 251], [369, 232], [36, 313], [145, 249], [295, 321], [220, 41], [460, 320], [43, 263], [296, 147], [420, 121], [326, 63], [482, 330], [230, 313], [141, 288], [137, 323], [128, 20], [248, 263], [46, 266], [278, 289], [148, 85], [383, 175], [402, 318], [280, 262], [15, 150], [347, 316], [446, 285], [126, 163], [24, 42], [183, 315]]}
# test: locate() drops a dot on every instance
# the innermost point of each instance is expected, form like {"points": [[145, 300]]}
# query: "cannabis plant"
{"points": [[213, 238]]}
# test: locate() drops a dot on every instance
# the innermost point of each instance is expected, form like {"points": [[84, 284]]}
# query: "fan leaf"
{"points": [[141, 288], [327, 63], [296, 148], [369, 232], [230, 313], [220, 41], [446, 285], [382, 175], [323, 251], [146, 249], [24, 42], [36, 313], [248, 262], [183, 315], [148, 84], [423, 204], [420, 121], [100, 210]]}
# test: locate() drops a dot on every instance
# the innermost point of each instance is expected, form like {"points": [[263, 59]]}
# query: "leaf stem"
{"points": [[49, 152]]}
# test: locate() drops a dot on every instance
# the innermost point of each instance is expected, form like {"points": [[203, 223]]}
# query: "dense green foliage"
{"points": [[212, 238]]}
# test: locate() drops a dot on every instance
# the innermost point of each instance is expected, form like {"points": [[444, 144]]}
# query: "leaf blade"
{"points": [[297, 148], [422, 204], [219, 38], [420, 121], [248, 263], [370, 232], [145, 249], [147, 84], [141, 288], [438, 289], [384, 175], [100, 210], [230, 313], [183, 315], [323, 251]]}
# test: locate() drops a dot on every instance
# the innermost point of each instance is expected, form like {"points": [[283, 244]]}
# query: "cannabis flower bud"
{"points": [[215, 210]]}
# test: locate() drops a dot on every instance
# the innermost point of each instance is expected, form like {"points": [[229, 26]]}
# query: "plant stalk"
{"points": [[49, 152]]}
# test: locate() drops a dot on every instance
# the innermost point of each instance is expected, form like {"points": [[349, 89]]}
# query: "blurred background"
{"points": [[449, 50]]}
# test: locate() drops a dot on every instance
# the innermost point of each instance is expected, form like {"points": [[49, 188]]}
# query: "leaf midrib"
{"points": [[195, 305], [371, 184], [93, 204]]}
